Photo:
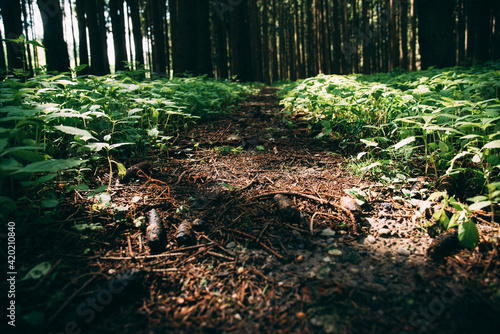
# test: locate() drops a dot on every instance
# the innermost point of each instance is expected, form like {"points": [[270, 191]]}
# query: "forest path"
{"points": [[247, 269]]}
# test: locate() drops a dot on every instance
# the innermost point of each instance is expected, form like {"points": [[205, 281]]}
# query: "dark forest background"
{"points": [[252, 40]]}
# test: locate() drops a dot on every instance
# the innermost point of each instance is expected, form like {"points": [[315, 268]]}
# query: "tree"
{"points": [[56, 49], [99, 63], [83, 52], [118, 28], [136, 26], [11, 16], [436, 39]]}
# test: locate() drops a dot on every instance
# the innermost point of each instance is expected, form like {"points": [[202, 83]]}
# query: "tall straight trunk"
{"points": [[496, 36], [118, 28], [337, 38], [309, 39], [3, 63], [99, 63], [220, 26], [291, 29], [367, 41], [266, 56], [404, 35], [159, 54], [75, 48], [392, 39], [136, 26], [435, 23], [274, 44], [460, 31], [28, 22], [202, 41], [413, 37], [56, 49], [13, 27], [355, 41], [346, 60], [83, 52], [327, 41], [481, 19]]}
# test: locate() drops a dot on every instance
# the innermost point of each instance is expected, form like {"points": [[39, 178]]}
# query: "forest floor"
{"points": [[244, 268]]}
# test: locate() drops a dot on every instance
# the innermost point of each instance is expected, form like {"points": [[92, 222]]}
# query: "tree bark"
{"points": [[436, 40], [13, 27], [99, 63], [83, 52], [56, 49], [136, 26], [118, 28]]}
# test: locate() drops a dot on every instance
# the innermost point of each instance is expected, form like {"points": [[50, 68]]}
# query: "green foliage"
{"points": [[449, 118], [53, 123]]}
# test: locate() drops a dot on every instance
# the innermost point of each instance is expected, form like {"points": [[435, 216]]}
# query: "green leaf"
{"points": [[38, 271], [84, 134], [492, 144], [441, 217], [468, 234], [404, 142], [49, 166], [36, 43], [479, 205], [7, 206], [34, 318]]}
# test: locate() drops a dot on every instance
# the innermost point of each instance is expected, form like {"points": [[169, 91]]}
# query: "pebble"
{"points": [[354, 270], [350, 204], [335, 252], [371, 239], [230, 245], [384, 231], [403, 251], [328, 232]]}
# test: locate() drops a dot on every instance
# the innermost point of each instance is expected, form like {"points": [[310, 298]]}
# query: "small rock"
{"points": [[350, 204], [403, 251], [335, 252], [230, 245], [354, 270], [326, 259], [384, 231], [371, 239], [328, 232]]}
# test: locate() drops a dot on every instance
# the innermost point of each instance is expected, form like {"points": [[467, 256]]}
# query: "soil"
{"points": [[239, 264]]}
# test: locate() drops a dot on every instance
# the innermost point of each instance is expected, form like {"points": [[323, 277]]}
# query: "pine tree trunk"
{"points": [[13, 27], [56, 49], [83, 53], [136, 26], [118, 28], [435, 24], [99, 63]]}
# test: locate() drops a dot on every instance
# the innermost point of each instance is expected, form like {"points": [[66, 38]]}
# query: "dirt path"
{"points": [[249, 269]]}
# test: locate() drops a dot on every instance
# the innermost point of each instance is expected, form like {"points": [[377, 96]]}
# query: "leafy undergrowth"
{"points": [[249, 267], [57, 123], [439, 124]]}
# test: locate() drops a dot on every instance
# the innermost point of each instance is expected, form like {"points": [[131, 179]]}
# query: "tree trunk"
{"points": [[13, 27], [29, 60], [159, 55], [99, 63], [136, 26], [83, 52], [56, 49], [435, 24], [118, 28], [413, 37], [3, 64], [367, 40], [404, 35], [201, 42]]}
